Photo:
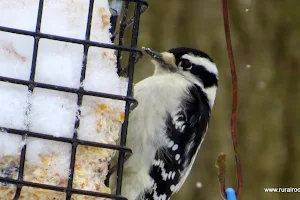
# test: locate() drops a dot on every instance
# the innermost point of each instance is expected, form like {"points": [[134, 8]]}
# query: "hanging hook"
{"points": [[221, 161]]}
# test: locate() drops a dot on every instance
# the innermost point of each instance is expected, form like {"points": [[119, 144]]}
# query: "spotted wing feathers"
{"points": [[186, 129]]}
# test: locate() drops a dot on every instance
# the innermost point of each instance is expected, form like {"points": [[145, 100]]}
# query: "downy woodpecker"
{"points": [[168, 126]]}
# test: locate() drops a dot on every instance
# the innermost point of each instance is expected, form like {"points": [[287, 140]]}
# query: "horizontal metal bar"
{"points": [[67, 89], [60, 189], [65, 139], [71, 40]]}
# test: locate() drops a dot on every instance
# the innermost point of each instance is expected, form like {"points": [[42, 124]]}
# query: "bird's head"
{"points": [[195, 65]]}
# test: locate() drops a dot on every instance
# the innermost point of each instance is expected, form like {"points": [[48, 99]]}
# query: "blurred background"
{"points": [[266, 43]]}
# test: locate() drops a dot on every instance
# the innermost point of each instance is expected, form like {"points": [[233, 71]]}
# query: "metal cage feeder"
{"points": [[126, 20]]}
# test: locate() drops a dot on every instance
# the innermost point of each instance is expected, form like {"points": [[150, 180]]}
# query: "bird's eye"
{"points": [[186, 64]]}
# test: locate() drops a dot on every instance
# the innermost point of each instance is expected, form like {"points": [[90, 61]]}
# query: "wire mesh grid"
{"points": [[134, 54]]}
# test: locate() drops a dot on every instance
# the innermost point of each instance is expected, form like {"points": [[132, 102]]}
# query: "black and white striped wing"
{"points": [[186, 131]]}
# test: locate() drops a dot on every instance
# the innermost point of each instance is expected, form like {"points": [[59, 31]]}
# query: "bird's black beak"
{"points": [[165, 60], [155, 55]]}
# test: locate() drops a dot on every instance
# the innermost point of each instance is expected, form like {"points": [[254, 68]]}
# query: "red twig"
{"points": [[221, 160], [221, 164]]}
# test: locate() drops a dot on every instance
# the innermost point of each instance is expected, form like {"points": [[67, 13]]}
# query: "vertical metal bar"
{"points": [[79, 100], [30, 90], [132, 58], [121, 36]]}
